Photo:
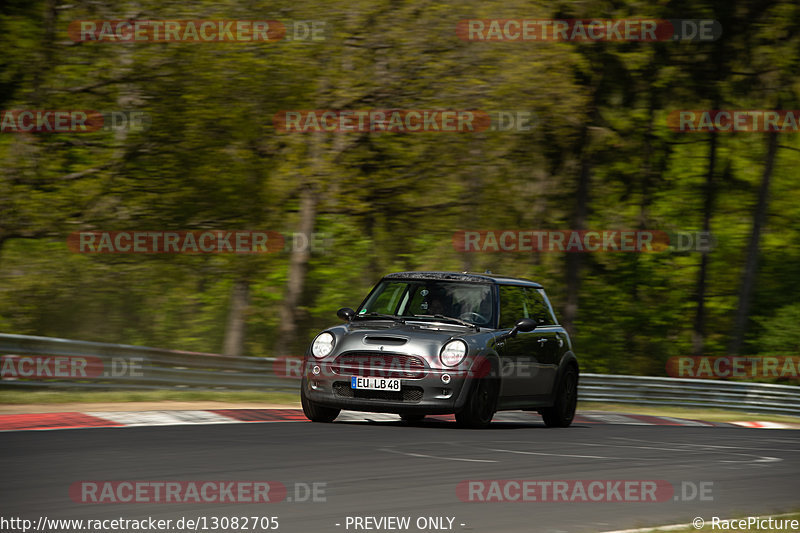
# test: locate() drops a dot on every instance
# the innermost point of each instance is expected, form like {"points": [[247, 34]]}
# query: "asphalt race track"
{"points": [[390, 469]]}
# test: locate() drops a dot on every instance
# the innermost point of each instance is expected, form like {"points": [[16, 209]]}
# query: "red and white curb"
{"points": [[106, 419], [767, 425]]}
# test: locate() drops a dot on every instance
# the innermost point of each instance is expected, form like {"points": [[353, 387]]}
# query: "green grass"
{"points": [[708, 526], [16, 397], [709, 414]]}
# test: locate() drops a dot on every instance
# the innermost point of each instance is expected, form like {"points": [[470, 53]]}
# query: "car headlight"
{"points": [[453, 353], [322, 345]]}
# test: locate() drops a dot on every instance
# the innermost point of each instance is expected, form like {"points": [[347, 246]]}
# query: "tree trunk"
{"points": [[237, 319], [48, 52], [751, 261], [469, 217], [575, 260], [698, 332], [298, 265]]}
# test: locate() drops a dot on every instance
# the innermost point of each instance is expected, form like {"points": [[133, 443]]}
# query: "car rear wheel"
{"points": [[481, 404], [316, 412], [562, 413]]}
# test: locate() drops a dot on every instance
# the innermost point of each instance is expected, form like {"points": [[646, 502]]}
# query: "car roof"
{"points": [[464, 276]]}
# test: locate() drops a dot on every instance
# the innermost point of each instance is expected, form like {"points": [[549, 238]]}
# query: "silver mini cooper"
{"points": [[444, 342]]}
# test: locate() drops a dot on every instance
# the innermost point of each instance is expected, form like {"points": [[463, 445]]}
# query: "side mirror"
{"points": [[346, 314], [524, 325]]}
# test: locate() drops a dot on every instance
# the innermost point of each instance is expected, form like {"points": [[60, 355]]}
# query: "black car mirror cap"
{"points": [[524, 325], [346, 314]]}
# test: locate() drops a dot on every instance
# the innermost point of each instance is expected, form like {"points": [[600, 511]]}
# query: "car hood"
{"points": [[414, 338]]}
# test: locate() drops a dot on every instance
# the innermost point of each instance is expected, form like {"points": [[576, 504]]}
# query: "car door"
{"points": [[517, 354], [548, 342]]}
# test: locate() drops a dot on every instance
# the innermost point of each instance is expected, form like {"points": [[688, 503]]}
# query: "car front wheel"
{"points": [[316, 412], [563, 411], [481, 404]]}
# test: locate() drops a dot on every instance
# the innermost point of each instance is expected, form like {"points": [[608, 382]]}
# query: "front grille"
{"points": [[406, 394], [379, 364]]}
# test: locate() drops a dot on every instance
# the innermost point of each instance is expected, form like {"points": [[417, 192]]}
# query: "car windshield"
{"points": [[470, 302]]}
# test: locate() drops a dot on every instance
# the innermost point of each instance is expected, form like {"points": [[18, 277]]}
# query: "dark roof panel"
{"points": [[464, 276]]}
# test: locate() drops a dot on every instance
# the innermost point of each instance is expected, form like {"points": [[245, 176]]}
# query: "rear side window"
{"points": [[523, 302], [537, 307], [513, 305]]}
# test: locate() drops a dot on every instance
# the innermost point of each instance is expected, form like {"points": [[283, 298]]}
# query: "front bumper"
{"points": [[429, 394]]}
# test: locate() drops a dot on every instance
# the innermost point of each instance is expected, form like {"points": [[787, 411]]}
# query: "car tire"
{"points": [[560, 415], [411, 418], [481, 403], [316, 412]]}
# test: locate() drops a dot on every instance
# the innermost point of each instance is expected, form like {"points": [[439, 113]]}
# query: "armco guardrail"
{"points": [[155, 368], [678, 392], [139, 367]]}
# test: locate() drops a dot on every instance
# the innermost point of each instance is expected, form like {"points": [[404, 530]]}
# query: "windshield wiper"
{"points": [[451, 319], [380, 315]]}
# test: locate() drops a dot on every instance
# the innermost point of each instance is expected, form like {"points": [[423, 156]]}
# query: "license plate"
{"points": [[374, 383]]}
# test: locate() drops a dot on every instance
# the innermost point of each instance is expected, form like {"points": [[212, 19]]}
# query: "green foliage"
{"points": [[212, 160], [781, 335]]}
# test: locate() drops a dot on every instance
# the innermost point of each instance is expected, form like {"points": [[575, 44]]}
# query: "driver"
{"points": [[436, 307], [436, 302]]}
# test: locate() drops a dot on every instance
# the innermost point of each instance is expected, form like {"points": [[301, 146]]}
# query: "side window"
{"points": [[512, 305], [537, 307]]}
